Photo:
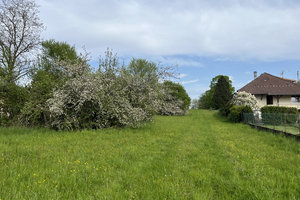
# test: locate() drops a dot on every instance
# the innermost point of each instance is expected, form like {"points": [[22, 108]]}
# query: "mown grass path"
{"points": [[199, 156]]}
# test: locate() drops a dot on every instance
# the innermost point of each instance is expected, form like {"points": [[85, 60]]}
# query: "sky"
{"points": [[202, 38]]}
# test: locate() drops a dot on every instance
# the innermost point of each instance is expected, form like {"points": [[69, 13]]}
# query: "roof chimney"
{"points": [[255, 74]]}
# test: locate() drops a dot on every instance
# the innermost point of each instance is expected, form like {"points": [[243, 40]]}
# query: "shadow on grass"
{"points": [[18, 130], [221, 118]]}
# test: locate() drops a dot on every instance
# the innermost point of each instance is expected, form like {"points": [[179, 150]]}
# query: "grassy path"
{"points": [[199, 156]]}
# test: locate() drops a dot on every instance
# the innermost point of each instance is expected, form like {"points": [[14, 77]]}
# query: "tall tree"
{"points": [[20, 29], [47, 76], [215, 80], [222, 94], [206, 99], [179, 93]]}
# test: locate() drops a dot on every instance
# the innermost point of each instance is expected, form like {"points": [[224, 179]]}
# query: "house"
{"points": [[273, 90]]}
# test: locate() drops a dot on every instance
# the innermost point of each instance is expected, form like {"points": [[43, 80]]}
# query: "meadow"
{"points": [[198, 156], [288, 128]]}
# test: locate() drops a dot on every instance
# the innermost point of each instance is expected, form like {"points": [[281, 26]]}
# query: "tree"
{"points": [[175, 100], [20, 29], [178, 92], [195, 104], [206, 100], [215, 80], [222, 94], [245, 99], [144, 69], [143, 86], [114, 95], [47, 76], [13, 98]]}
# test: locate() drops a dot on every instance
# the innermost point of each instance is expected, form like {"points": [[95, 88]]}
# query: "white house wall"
{"points": [[262, 100], [283, 101]]}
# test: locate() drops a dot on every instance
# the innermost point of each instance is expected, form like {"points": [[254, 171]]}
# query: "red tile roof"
{"points": [[272, 85]]}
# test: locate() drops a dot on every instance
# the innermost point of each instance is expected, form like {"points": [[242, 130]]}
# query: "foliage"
{"points": [[170, 105], [222, 94], [13, 98], [206, 100], [236, 113], [75, 104], [195, 104], [143, 88], [225, 110], [113, 96], [215, 80], [20, 29], [277, 115], [279, 109], [176, 100], [66, 94], [54, 51], [245, 99], [47, 76], [174, 157]]}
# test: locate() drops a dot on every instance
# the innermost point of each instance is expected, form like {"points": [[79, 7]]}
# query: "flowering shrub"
{"points": [[175, 99], [112, 96], [245, 99], [171, 105]]}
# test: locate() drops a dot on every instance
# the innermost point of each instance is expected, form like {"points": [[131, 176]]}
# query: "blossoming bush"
{"points": [[175, 99], [245, 99], [171, 105], [114, 95]]}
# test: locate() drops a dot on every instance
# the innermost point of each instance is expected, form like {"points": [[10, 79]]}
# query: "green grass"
{"points": [[199, 156], [288, 128]]}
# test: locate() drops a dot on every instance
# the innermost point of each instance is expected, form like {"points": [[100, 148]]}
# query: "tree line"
{"points": [[218, 96], [222, 96], [64, 92]]}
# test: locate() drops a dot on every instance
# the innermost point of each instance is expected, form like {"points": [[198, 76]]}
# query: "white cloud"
{"points": [[195, 90], [177, 60], [232, 29], [182, 75], [189, 82]]}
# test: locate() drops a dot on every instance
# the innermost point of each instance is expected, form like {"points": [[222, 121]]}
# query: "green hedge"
{"points": [[277, 115], [236, 113]]}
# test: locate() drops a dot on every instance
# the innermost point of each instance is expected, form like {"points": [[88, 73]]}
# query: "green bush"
{"points": [[179, 93], [236, 113], [275, 115], [34, 114], [13, 98], [4, 120], [225, 110]]}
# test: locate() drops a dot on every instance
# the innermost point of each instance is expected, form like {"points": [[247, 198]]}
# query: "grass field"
{"points": [[289, 129], [199, 156]]}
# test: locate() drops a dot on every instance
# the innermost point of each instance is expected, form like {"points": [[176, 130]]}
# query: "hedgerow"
{"points": [[276, 115]]}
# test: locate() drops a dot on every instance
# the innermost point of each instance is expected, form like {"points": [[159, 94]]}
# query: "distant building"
{"points": [[273, 90]]}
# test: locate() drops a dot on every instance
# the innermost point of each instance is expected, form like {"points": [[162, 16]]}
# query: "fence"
{"points": [[287, 123]]}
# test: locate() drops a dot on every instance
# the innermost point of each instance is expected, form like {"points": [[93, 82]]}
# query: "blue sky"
{"points": [[204, 38]]}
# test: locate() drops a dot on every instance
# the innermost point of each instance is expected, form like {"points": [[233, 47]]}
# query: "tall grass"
{"points": [[199, 156]]}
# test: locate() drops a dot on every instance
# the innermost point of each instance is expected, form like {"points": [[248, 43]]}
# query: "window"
{"points": [[269, 100], [295, 99]]}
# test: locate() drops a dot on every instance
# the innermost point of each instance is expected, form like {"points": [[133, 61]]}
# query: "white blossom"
{"points": [[112, 96], [245, 99]]}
